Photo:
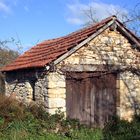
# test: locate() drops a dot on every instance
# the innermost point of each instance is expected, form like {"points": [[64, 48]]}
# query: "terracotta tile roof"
{"points": [[49, 50]]}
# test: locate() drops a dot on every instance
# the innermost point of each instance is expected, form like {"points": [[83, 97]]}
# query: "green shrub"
{"points": [[38, 111], [11, 109], [122, 130], [32, 122]]}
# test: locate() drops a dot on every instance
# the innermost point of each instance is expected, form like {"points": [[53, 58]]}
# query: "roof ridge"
{"points": [[79, 30]]}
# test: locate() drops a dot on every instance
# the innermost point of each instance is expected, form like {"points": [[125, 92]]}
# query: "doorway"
{"points": [[91, 97]]}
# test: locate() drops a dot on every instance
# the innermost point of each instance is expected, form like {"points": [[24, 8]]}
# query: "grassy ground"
{"points": [[20, 122], [19, 133]]}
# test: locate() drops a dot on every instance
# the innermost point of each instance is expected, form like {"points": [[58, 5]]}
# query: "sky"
{"points": [[32, 21]]}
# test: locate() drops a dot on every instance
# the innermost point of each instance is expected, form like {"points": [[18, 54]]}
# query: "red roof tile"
{"points": [[49, 50]]}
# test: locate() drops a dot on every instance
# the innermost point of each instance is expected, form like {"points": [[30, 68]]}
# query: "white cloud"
{"points": [[26, 8], [7, 6], [75, 20], [76, 11], [4, 7]]}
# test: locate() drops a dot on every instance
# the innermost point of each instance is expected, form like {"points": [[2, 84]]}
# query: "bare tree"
{"points": [[131, 19], [7, 55]]}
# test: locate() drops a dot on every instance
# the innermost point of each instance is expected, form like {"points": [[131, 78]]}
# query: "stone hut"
{"points": [[91, 74]]}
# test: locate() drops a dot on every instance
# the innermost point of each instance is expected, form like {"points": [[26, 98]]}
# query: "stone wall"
{"points": [[129, 87], [113, 50], [27, 86], [41, 90], [110, 48], [49, 89], [22, 91]]}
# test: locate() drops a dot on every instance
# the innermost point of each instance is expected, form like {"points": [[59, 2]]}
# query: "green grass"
{"points": [[37, 130], [20, 122]]}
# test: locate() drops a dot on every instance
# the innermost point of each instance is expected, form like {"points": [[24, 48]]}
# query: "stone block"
{"points": [[55, 77], [73, 59], [53, 84], [107, 49], [56, 91], [57, 95], [87, 61], [56, 103], [105, 39], [127, 115]]}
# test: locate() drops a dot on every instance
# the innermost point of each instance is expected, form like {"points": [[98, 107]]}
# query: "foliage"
{"points": [[31, 122], [19, 121], [122, 130], [7, 56], [2, 83]]}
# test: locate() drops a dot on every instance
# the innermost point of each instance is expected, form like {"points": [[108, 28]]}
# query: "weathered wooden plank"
{"points": [[128, 34], [91, 97]]}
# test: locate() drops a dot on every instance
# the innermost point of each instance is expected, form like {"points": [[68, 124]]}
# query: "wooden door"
{"points": [[91, 97]]}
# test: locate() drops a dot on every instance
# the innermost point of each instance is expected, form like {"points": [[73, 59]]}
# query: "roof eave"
{"points": [[128, 33]]}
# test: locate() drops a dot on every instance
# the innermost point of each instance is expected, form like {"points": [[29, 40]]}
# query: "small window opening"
{"points": [[32, 82]]}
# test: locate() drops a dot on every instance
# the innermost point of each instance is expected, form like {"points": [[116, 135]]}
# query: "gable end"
{"points": [[83, 43], [128, 34]]}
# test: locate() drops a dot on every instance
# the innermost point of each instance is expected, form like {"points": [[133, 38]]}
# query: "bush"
{"points": [[38, 111], [32, 122], [18, 121], [122, 130], [11, 109]]}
